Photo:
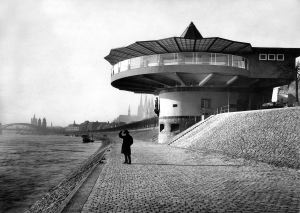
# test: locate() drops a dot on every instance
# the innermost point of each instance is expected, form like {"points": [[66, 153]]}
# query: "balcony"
{"points": [[185, 58]]}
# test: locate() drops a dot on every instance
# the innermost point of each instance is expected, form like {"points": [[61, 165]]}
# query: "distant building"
{"points": [[103, 125], [92, 126], [72, 127], [39, 123], [125, 118], [44, 123], [34, 121], [145, 110]]}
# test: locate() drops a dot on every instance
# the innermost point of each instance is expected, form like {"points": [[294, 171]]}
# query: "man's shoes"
{"points": [[125, 162], [129, 163]]}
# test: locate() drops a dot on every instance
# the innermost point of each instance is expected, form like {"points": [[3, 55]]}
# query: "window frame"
{"points": [[263, 54], [280, 55], [203, 100], [269, 59]]}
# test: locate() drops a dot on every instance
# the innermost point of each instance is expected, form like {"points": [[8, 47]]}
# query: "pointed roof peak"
{"points": [[191, 32]]}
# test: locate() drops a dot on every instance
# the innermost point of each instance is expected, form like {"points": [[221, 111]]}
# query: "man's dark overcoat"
{"points": [[127, 142]]}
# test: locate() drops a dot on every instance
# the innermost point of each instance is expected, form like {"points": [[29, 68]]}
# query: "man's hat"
{"points": [[126, 131]]}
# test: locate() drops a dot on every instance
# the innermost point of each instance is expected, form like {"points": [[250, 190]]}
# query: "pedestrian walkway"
{"points": [[162, 178]]}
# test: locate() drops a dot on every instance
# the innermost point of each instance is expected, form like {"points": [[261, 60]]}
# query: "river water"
{"points": [[31, 164]]}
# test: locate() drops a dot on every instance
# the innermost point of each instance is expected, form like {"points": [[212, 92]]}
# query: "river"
{"points": [[31, 164]]}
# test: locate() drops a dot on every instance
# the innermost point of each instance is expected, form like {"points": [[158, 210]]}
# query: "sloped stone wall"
{"points": [[57, 197], [271, 136]]}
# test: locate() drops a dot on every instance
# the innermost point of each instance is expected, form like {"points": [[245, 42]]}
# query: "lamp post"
{"points": [[297, 73]]}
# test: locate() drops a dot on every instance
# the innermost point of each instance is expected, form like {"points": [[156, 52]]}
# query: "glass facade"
{"points": [[183, 58]]}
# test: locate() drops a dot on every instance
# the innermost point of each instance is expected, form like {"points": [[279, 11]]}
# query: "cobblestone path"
{"points": [[167, 179]]}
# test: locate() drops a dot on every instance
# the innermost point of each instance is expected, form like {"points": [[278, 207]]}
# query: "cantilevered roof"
{"points": [[190, 41]]}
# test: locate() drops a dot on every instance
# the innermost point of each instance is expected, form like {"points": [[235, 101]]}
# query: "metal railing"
{"points": [[184, 58], [226, 108], [147, 123]]}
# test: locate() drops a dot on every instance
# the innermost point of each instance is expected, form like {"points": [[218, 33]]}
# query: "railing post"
{"points": [[228, 101]]}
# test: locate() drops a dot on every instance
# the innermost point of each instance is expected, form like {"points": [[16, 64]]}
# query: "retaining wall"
{"points": [[147, 134], [57, 198], [271, 136]]}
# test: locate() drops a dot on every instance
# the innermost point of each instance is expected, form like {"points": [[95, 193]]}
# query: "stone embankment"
{"points": [[271, 136], [147, 134], [56, 199]]}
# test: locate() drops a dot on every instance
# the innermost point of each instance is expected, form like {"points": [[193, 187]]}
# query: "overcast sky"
{"points": [[52, 51]]}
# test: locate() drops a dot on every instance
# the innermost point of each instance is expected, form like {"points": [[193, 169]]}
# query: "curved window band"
{"points": [[185, 58]]}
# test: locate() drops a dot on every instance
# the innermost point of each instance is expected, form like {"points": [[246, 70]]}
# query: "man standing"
{"points": [[127, 142]]}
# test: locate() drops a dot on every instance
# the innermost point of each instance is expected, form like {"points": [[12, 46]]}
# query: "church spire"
{"points": [[140, 108]]}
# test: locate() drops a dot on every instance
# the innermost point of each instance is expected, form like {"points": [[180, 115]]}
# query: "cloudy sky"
{"points": [[52, 51]]}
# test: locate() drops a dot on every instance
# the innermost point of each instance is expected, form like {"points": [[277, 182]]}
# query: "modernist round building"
{"points": [[195, 77]]}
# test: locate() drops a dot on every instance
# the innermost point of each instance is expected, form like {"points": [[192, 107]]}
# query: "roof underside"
{"points": [[175, 45]]}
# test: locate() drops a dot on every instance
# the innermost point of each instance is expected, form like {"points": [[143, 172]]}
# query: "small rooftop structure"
{"points": [[191, 32]]}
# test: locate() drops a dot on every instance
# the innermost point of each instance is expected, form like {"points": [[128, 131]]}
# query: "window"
{"points": [[112, 70], [168, 59], [280, 57], [262, 57], [238, 61], [124, 65], [150, 60], [186, 58], [271, 57], [174, 127], [174, 105], [161, 127], [135, 62], [203, 58], [205, 103], [117, 68], [221, 59]]}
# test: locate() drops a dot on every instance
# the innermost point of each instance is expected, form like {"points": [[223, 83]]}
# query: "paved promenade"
{"points": [[167, 179]]}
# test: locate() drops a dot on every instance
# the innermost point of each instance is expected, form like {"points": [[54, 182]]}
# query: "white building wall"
{"points": [[189, 102]]}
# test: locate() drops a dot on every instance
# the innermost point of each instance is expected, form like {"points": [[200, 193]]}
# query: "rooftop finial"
{"points": [[191, 32]]}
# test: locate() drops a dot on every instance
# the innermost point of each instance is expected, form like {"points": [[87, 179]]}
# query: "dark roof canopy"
{"points": [[190, 41]]}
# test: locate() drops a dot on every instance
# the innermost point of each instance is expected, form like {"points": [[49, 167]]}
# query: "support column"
{"points": [[181, 109]]}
